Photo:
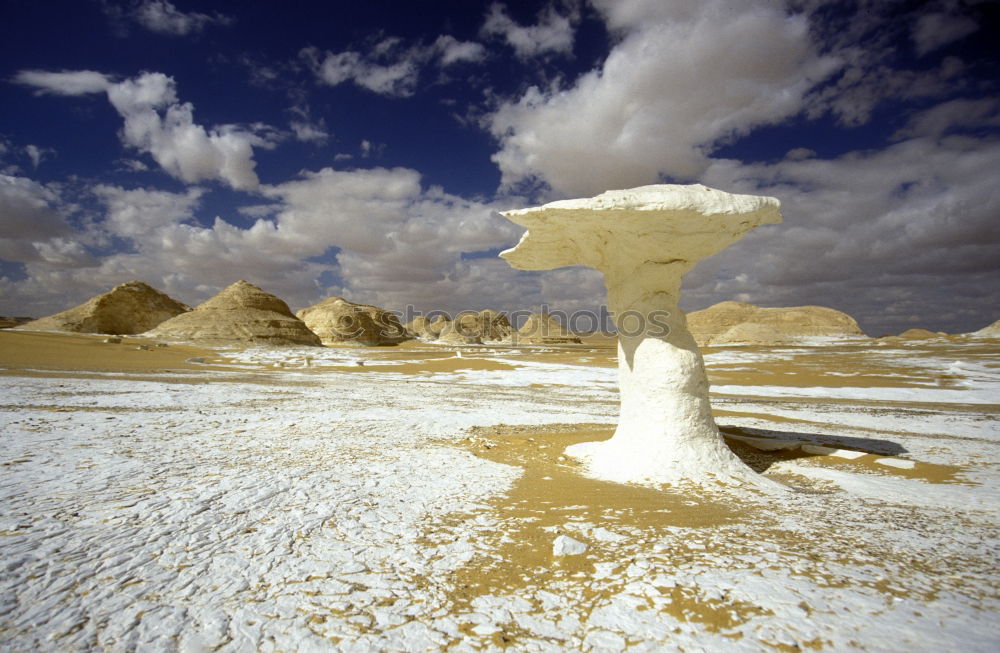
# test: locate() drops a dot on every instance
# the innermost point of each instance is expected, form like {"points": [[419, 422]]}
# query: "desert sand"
{"points": [[245, 498]]}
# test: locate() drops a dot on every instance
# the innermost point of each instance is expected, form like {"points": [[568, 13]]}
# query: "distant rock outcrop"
{"points": [[8, 322], [991, 331], [240, 313], [487, 325], [710, 324], [130, 308], [454, 334], [426, 328], [752, 333], [336, 320], [544, 329], [919, 334], [420, 327]]}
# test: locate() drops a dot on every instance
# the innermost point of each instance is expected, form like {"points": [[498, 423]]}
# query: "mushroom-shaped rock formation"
{"points": [[337, 320], [129, 308], [242, 312], [644, 240], [487, 325], [544, 329]]}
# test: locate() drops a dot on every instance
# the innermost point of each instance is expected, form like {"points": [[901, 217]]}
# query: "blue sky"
{"points": [[363, 149]]}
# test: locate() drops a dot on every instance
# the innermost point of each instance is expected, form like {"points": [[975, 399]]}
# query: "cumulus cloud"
{"points": [[680, 81], [163, 17], [952, 116], [934, 30], [452, 51], [37, 154], [34, 229], [29, 209], [385, 235], [872, 232], [396, 78], [389, 67], [66, 82], [137, 213], [552, 33], [307, 129], [156, 122]]}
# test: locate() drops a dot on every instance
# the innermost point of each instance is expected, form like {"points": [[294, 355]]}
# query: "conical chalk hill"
{"points": [[132, 307], [241, 313]]}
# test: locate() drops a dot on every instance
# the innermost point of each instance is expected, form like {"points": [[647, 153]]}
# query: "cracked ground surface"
{"points": [[295, 500]]}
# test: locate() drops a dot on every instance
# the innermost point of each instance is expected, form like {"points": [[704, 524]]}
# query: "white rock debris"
{"points": [[564, 545]]}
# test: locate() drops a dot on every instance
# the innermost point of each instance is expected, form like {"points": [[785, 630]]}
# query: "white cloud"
{"points": [[389, 68], [306, 128], [37, 154], [678, 82], [29, 209], [395, 241], [34, 229], [552, 33], [157, 123], [452, 51], [66, 82], [310, 132], [163, 17], [953, 115], [934, 30], [874, 233], [396, 77], [139, 212]]}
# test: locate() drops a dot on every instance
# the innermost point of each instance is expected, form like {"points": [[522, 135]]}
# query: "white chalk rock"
{"points": [[567, 546], [644, 240]]}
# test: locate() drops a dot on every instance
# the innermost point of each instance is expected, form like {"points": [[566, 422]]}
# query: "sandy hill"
{"points": [[488, 325], [544, 329], [454, 334], [129, 308], [991, 331], [426, 328], [242, 312], [919, 334], [337, 320], [792, 322], [420, 327], [752, 333]]}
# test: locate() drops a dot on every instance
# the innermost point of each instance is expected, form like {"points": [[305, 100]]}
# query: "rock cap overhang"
{"points": [[676, 223]]}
